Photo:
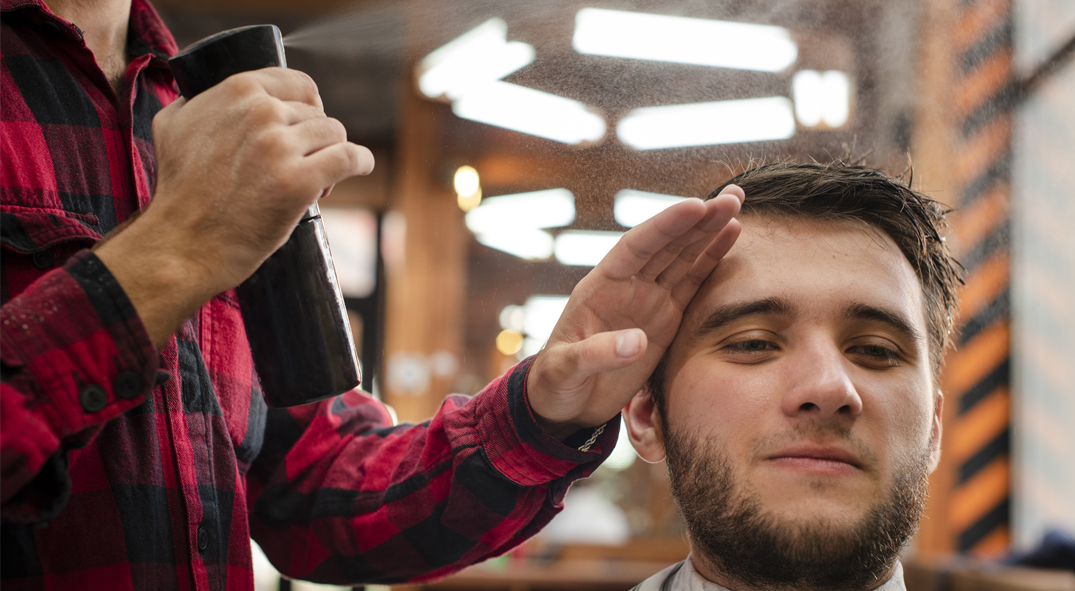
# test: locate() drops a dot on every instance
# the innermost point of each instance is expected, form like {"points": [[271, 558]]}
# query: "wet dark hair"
{"points": [[847, 192]]}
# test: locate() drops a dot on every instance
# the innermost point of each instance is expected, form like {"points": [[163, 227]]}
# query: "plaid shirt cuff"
{"points": [[82, 354], [521, 450]]}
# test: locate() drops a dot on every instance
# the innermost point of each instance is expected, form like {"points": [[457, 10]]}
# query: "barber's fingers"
{"points": [[294, 112], [286, 85], [569, 364], [678, 256], [706, 262], [646, 241], [735, 190], [337, 162], [311, 135]]}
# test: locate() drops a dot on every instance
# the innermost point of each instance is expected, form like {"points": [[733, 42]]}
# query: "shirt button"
{"points": [[203, 539], [127, 385], [93, 398], [161, 378], [43, 259]]}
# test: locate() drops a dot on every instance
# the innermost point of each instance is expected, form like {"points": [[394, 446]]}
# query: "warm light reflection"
{"points": [[476, 57], [584, 248], [822, 97], [524, 243], [468, 189], [631, 207], [550, 208], [530, 111], [509, 342], [704, 42], [702, 124]]}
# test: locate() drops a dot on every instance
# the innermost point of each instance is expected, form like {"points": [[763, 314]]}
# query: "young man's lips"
{"points": [[818, 459]]}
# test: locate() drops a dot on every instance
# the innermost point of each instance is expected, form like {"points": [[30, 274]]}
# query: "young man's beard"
{"points": [[751, 548]]}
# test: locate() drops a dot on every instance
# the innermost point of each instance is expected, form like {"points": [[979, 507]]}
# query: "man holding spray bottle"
{"points": [[136, 451]]}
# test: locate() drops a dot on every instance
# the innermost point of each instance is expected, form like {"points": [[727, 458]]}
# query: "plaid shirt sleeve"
{"points": [[75, 355], [336, 499]]}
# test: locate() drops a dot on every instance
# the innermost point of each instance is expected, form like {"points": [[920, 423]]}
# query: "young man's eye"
{"points": [[877, 355], [752, 346]]}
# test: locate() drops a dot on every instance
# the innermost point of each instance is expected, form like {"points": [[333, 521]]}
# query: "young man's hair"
{"points": [[845, 192]]}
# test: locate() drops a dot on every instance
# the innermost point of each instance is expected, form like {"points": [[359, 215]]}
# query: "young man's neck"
{"points": [[709, 572], [104, 27]]}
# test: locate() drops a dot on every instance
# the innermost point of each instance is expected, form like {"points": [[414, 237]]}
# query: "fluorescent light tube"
{"points": [[550, 208], [584, 248], [821, 97], [531, 111], [837, 102], [631, 207], [704, 42], [524, 243], [702, 124], [806, 88], [478, 56]]}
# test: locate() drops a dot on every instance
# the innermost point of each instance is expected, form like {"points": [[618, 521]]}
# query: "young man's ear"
{"points": [[644, 426], [935, 435]]}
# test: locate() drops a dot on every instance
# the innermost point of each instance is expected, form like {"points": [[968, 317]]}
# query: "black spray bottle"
{"points": [[292, 305]]}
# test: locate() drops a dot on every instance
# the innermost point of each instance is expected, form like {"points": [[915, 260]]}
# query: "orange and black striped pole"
{"points": [[976, 377]]}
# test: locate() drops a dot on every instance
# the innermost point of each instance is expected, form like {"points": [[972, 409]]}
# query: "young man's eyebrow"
{"points": [[894, 320], [725, 315]]}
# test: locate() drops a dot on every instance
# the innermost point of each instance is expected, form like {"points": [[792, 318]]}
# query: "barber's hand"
{"points": [[624, 314], [236, 167]]}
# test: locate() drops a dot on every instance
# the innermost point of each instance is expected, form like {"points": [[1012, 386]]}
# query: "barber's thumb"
{"points": [[609, 351], [630, 343]]}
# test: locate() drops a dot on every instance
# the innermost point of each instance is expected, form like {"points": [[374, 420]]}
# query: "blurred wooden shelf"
{"points": [[955, 573]]}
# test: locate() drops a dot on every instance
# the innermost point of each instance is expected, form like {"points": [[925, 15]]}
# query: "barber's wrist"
{"points": [[559, 431], [164, 284]]}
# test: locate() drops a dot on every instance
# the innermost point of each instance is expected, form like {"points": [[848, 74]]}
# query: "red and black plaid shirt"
{"points": [[124, 467]]}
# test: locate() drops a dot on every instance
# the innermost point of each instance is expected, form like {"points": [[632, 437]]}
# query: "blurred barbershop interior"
{"points": [[517, 141]]}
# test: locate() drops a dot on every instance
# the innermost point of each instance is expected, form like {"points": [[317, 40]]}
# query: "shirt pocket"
{"points": [[37, 240]]}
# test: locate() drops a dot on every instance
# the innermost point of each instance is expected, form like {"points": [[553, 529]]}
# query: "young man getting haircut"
{"points": [[798, 406]]}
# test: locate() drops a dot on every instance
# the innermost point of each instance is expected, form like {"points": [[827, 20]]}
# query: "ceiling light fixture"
{"points": [[703, 124], [550, 208], [530, 111], [584, 248], [478, 56], [632, 207], [822, 97], [704, 42], [524, 243]]}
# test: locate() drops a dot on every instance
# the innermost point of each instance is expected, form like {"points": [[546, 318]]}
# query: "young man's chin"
{"points": [[841, 498]]}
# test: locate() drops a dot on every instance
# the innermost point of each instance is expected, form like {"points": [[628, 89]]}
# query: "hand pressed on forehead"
{"points": [[623, 315]]}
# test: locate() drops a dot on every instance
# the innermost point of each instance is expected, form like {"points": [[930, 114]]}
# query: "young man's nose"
{"points": [[821, 386]]}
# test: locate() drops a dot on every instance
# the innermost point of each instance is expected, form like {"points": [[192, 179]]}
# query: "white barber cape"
{"points": [[682, 577]]}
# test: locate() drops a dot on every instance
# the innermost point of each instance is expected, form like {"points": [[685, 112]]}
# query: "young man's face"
{"points": [[800, 417]]}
